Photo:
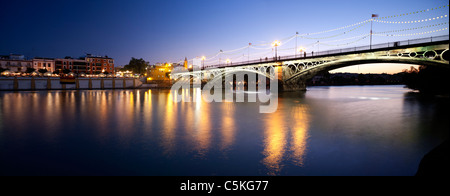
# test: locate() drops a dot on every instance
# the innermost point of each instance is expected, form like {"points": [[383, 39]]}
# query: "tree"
{"points": [[136, 65], [30, 70], [42, 71], [428, 80]]}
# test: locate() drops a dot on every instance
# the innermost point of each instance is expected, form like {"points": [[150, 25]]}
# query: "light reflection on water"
{"points": [[325, 131]]}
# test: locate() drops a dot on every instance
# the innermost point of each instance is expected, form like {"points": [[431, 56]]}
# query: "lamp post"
{"points": [[203, 62], [371, 26], [248, 51], [220, 57], [300, 50], [296, 43], [275, 44]]}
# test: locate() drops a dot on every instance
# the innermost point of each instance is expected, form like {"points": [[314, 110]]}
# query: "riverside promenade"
{"points": [[53, 83]]}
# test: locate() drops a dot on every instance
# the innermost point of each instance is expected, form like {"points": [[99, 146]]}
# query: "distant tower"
{"points": [[185, 63]]}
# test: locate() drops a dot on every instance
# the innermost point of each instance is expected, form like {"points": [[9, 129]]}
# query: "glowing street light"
{"points": [[301, 49], [275, 44], [228, 61], [203, 61]]}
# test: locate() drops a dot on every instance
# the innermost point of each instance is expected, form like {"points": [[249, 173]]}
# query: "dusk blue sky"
{"points": [[170, 30]]}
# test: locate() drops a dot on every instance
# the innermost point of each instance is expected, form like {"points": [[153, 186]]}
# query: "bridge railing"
{"points": [[336, 51]]}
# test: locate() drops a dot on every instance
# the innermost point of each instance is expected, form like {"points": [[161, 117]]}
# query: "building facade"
{"points": [[88, 64], [69, 64], [160, 72], [99, 64], [44, 63], [15, 63]]}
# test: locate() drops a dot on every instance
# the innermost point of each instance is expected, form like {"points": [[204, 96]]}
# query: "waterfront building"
{"points": [[88, 64], [117, 69], [159, 73], [99, 64], [15, 63], [73, 65], [44, 63]]}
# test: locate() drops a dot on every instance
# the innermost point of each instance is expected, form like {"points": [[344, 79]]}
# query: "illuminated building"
{"points": [[44, 63], [68, 63], [186, 64], [99, 64], [159, 73], [15, 63]]}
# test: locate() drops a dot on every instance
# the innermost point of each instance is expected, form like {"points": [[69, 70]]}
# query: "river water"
{"points": [[350, 130]]}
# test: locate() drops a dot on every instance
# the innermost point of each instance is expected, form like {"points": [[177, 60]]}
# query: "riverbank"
{"points": [[347, 79], [436, 162], [50, 83]]}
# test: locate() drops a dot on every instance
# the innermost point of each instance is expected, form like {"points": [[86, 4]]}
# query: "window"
{"points": [[64, 62]]}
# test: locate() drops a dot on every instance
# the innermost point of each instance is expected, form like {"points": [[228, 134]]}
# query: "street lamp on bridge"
{"points": [[300, 50], [228, 61], [275, 44], [203, 62]]}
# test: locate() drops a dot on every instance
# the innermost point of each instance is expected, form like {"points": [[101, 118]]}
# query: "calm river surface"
{"points": [[351, 130]]}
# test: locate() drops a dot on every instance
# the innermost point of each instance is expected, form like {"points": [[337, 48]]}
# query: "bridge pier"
{"points": [[294, 85]]}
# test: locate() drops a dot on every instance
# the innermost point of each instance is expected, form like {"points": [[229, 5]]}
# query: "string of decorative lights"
{"points": [[358, 25], [349, 38], [336, 35], [411, 21], [336, 29], [412, 13], [344, 44], [415, 28], [261, 54], [284, 40], [290, 38], [231, 59], [412, 34], [376, 19]]}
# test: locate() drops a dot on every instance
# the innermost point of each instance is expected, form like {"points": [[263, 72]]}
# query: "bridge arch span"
{"points": [[310, 72], [261, 72]]}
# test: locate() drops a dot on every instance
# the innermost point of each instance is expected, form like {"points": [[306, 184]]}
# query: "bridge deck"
{"points": [[345, 51]]}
